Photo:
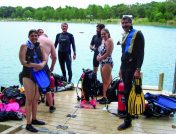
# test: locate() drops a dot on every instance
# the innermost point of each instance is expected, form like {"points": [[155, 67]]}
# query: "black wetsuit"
{"points": [[65, 40], [96, 40], [129, 64]]}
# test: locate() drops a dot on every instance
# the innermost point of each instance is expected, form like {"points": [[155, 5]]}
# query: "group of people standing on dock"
{"points": [[102, 45]]}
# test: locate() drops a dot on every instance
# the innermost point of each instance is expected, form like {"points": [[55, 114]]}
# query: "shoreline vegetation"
{"points": [[153, 13], [136, 21]]}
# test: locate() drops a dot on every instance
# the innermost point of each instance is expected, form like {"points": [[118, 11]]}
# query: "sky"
{"points": [[72, 3]]}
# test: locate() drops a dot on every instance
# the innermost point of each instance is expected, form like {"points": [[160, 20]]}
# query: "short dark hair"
{"points": [[101, 26], [127, 18], [32, 31]]}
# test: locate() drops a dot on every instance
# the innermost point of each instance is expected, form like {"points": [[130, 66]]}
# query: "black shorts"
{"points": [[26, 73]]}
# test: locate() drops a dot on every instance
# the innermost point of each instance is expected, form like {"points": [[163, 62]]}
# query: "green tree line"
{"points": [[154, 12]]}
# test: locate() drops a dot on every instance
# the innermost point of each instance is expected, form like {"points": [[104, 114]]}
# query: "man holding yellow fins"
{"points": [[131, 62]]}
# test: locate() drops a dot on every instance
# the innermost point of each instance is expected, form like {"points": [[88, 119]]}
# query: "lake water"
{"points": [[160, 50]]}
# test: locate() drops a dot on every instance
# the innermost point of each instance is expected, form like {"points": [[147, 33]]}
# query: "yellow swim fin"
{"points": [[131, 100], [139, 104]]}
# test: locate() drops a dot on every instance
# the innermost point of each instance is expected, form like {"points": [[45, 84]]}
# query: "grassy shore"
{"points": [[143, 21]]}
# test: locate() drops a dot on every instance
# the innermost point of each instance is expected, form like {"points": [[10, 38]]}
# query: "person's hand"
{"points": [[92, 48], [99, 58], [51, 69], [74, 56], [35, 69], [137, 74], [120, 74], [39, 66]]}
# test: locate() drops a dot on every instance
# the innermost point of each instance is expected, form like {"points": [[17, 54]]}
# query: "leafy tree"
{"points": [[6, 12], [93, 11], [141, 12], [81, 13], [153, 11], [119, 10], [48, 13], [18, 12], [168, 16], [27, 14], [106, 12], [57, 14]]}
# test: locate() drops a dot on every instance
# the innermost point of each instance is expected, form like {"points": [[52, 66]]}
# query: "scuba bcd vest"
{"points": [[128, 42], [31, 49]]}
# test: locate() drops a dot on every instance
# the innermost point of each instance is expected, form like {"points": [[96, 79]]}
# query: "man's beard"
{"points": [[98, 34]]}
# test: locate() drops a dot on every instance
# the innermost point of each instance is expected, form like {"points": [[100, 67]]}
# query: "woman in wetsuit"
{"points": [[105, 60], [31, 88], [95, 43]]}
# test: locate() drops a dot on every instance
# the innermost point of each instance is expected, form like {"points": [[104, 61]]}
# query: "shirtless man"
{"points": [[48, 45]]}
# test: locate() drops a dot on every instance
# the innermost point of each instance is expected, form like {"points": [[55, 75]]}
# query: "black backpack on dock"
{"points": [[112, 91]]}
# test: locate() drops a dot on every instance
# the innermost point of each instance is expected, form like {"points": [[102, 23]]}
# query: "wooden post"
{"points": [[174, 83], [141, 75], [160, 83]]}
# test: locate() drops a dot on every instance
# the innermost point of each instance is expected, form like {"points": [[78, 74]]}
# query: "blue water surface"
{"points": [[160, 50]]}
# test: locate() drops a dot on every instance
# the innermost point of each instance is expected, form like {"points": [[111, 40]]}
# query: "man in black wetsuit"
{"points": [[65, 40], [131, 61], [95, 43]]}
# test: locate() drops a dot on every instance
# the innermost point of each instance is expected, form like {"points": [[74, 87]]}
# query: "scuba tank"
{"points": [[69, 86], [66, 88], [52, 86], [52, 82], [121, 100]]}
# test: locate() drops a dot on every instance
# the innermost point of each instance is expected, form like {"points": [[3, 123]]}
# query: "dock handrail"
{"points": [[155, 88], [160, 83]]}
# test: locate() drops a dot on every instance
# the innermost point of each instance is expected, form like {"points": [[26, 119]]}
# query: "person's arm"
{"points": [[140, 43], [92, 45], [53, 57], [44, 59], [109, 47], [56, 41], [22, 55], [73, 46], [140, 49]]}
